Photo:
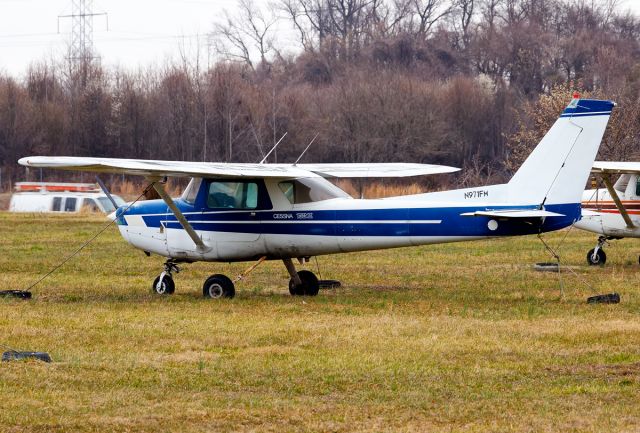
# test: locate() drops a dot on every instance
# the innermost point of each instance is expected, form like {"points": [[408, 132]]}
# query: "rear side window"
{"points": [[233, 195], [307, 190], [57, 204], [70, 204]]}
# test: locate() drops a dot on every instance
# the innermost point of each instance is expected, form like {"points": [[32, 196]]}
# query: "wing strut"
{"points": [[614, 195], [159, 187]]}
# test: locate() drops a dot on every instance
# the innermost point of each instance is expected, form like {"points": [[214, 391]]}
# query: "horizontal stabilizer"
{"points": [[514, 213], [615, 167], [146, 167]]}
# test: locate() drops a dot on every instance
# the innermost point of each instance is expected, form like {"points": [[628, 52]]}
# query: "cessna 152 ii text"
{"points": [[246, 212], [614, 212]]}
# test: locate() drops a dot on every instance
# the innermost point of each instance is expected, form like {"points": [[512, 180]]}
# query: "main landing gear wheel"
{"points": [[596, 257], [163, 284], [218, 286], [309, 286]]}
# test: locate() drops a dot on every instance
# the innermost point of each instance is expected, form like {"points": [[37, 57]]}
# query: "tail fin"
{"points": [[557, 170]]}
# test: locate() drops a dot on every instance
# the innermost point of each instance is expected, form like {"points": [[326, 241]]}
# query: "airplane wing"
{"points": [[615, 167], [514, 213], [145, 167], [606, 169], [368, 170]]}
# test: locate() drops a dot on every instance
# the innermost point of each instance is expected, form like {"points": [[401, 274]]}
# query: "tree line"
{"points": [[469, 83]]}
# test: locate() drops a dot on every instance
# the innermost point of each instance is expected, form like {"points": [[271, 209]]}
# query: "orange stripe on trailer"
{"points": [[54, 187]]}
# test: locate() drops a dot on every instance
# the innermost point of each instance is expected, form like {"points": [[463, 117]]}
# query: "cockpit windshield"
{"points": [[191, 192], [310, 189], [622, 183]]}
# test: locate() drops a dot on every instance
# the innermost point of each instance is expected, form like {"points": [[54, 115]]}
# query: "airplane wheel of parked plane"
{"points": [[309, 286], [166, 288], [599, 259], [218, 286]]}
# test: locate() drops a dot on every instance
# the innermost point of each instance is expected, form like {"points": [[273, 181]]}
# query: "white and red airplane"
{"points": [[246, 212], [614, 211]]}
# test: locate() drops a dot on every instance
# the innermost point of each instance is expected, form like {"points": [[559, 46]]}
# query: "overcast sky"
{"points": [[140, 32]]}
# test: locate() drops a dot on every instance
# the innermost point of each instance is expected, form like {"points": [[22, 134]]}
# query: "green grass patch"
{"points": [[456, 337]]}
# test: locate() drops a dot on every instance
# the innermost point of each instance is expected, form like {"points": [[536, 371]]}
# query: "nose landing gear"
{"points": [[163, 284], [597, 256]]}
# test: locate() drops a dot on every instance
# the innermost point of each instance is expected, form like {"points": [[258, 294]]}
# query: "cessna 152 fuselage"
{"points": [[242, 212]]}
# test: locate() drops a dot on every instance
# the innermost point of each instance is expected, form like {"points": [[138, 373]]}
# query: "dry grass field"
{"points": [[451, 338]]}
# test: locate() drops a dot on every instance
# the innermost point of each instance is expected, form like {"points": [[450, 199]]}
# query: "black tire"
{"points": [[599, 259], [218, 286], [309, 286], [166, 288]]}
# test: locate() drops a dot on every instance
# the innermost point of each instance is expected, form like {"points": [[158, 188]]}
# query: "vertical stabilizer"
{"points": [[557, 170]]}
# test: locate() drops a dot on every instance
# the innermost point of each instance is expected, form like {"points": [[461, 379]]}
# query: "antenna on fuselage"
{"points": [[273, 148], [306, 148]]}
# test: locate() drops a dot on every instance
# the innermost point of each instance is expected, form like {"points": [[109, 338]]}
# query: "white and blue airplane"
{"points": [[247, 212]]}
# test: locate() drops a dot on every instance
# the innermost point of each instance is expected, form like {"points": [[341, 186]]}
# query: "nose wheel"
{"points": [[163, 284], [597, 256]]}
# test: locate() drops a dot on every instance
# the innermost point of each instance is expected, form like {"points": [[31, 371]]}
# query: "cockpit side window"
{"points": [[232, 195], [638, 186]]}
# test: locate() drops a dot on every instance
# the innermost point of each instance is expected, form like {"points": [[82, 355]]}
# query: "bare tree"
{"points": [[428, 12], [309, 18], [250, 31]]}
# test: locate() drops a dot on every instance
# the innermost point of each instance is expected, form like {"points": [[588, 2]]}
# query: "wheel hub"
{"points": [[216, 290]]}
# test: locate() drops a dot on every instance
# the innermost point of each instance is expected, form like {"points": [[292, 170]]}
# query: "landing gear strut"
{"points": [[302, 283], [597, 256], [163, 284]]}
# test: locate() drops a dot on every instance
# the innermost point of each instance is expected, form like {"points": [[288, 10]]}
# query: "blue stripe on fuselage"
{"points": [[445, 221]]}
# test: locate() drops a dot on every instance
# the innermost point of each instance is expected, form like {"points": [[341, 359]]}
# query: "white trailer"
{"points": [[60, 197]]}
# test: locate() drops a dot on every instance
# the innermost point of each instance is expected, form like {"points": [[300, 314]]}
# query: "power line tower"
{"points": [[81, 48]]}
